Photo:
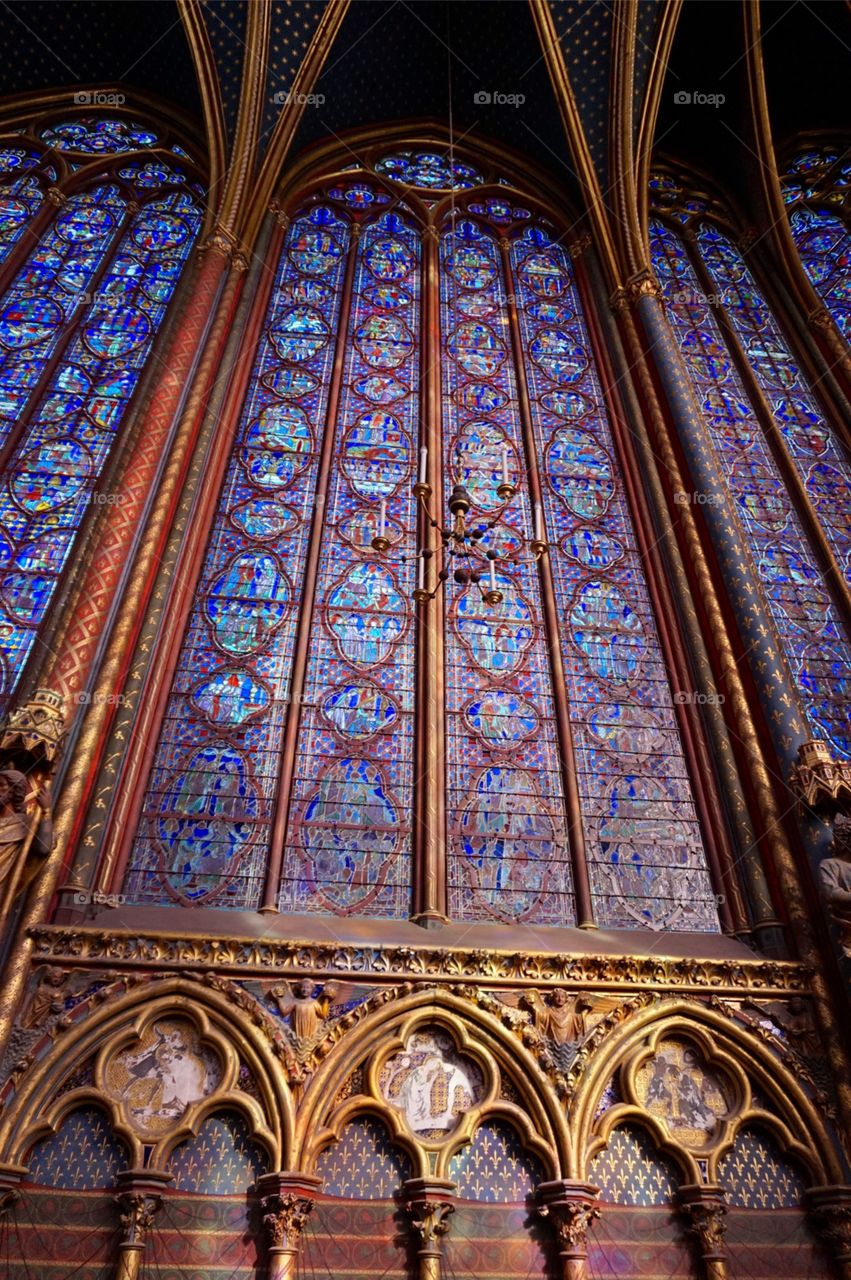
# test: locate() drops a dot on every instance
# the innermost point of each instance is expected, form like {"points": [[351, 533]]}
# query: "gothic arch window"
{"points": [[423, 319], [97, 218], [787, 472], [815, 188]]}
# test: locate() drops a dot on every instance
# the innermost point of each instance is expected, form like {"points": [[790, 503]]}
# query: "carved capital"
{"points": [[32, 733], [820, 781], [139, 1200], [429, 235], [287, 1199], [820, 318], [619, 300], [748, 239], [239, 262], [580, 245], [703, 1211], [571, 1207], [429, 1205], [643, 285], [830, 1212], [220, 242], [56, 196]]}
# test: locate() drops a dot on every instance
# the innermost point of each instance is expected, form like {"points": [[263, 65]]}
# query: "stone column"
{"points": [[571, 1207], [139, 1198], [429, 1205], [830, 1218], [286, 1198], [703, 1210]]}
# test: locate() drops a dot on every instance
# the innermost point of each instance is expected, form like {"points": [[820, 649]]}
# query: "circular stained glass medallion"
{"points": [[299, 334], [314, 250], [560, 357], [389, 258], [383, 341], [29, 320], [116, 331], [158, 232]]}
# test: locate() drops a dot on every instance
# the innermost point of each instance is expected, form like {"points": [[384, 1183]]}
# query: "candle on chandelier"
{"points": [[493, 575], [421, 573], [539, 523], [423, 464], [505, 480], [382, 518]]}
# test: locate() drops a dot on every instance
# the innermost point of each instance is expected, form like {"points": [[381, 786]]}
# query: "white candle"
{"points": [[539, 523], [493, 575], [421, 573], [423, 464], [382, 518], [504, 463]]}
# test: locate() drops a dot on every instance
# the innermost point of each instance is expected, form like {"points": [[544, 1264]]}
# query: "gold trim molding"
{"points": [[75, 945]]}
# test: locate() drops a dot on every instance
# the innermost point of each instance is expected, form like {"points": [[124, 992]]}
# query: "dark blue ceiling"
{"points": [[49, 44]]}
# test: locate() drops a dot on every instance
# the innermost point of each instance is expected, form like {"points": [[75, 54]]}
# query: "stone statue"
{"points": [[305, 1007], [30, 838], [834, 876]]}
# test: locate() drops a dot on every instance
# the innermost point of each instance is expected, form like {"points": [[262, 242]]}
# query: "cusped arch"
{"points": [[478, 1037], [104, 1030], [726, 1046]]}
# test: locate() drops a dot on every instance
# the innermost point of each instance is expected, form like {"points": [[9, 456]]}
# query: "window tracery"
{"points": [[290, 739]]}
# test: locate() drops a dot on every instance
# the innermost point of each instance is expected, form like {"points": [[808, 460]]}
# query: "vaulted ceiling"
{"points": [[483, 60]]}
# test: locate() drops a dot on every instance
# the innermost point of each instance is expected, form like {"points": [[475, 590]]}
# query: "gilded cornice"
{"points": [[78, 945], [576, 137], [198, 40], [250, 213]]}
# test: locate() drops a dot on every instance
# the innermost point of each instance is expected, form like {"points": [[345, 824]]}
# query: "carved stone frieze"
{"points": [[257, 956]]}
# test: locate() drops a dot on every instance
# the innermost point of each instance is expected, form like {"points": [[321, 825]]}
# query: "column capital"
{"points": [[139, 1196], [571, 1207], [703, 1208], [830, 1210], [287, 1198], [429, 1203]]}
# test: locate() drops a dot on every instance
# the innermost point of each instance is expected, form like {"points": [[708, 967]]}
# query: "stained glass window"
{"points": [[79, 314], [748, 447], [292, 738], [815, 189]]}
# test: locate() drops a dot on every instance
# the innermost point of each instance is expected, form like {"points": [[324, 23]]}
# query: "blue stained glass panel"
{"points": [[349, 845], [646, 860], [70, 425], [505, 806], [202, 841]]}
